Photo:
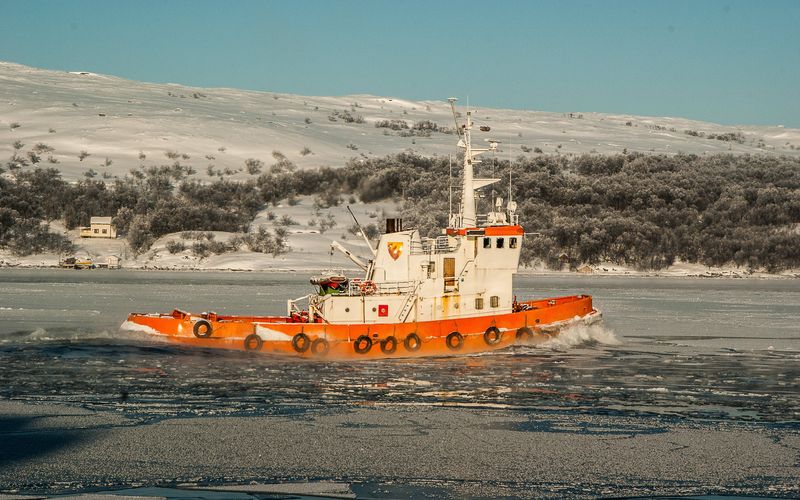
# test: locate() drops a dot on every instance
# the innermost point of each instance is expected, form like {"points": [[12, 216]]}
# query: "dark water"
{"points": [[694, 348]]}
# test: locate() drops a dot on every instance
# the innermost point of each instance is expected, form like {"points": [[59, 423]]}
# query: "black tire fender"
{"points": [[454, 341], [202, 329], [301, 342], [388, 345], [320, 347], [253, 342], [412, 342], [524, 334], [363, 344], [492, 335]]}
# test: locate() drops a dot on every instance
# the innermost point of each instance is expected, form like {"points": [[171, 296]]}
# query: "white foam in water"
{"points": [[130, 326], [43, 335], [578, 334]]}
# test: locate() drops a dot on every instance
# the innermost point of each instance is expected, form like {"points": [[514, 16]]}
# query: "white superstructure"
{"points": [[465, 272]]}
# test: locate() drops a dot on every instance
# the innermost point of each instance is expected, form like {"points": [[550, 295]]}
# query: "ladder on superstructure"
{"points": [[408, 304]]}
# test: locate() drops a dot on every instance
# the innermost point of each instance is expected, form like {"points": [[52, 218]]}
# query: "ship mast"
{"points": [[467, 216]]}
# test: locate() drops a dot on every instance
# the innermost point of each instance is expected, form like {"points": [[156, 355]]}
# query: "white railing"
{"points": [[358, 287], [440, 244]]}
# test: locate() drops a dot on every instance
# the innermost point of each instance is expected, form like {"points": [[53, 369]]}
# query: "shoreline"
{"points": [[697, 272]]}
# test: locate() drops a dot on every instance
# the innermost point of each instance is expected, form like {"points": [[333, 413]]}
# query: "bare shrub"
{"points": [[253, 166], [286, 220], [174, 246]]}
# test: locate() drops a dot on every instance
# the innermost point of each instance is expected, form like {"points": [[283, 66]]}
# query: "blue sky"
{"points": [[723, 61]]}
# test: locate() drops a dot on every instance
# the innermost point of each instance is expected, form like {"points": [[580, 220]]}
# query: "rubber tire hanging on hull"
{"points": [[253, 342], [388, 345], [492, 335], [362, 349], [412, 342], [320, 347], [207, 329], [524, 335], [301, 342], [454, 341]]}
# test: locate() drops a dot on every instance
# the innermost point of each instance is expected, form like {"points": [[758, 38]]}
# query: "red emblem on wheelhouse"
{"points": [[383, 310], [395, 249]]}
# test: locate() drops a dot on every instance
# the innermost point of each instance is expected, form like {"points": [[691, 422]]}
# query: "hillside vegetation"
{"points": [[639, 210]]}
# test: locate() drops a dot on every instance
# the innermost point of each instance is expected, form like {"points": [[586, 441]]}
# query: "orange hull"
{"points": [[532, 322]]}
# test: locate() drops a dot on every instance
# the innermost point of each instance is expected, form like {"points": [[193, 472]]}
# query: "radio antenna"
{"points": [[450, 190]]}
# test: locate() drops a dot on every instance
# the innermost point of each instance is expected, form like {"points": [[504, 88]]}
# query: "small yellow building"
{"points": [[99, 227]]}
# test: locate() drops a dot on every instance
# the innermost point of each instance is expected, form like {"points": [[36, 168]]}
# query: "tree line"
{"points": [[644, 211]]}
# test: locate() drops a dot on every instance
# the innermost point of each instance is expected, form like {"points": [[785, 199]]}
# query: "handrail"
{"points": [[440, 244], [358, 287], [464, 269]]}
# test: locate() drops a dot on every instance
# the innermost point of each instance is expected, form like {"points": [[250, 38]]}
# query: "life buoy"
{"points": [[202, 329], [320, 347], [301, 342], [492, 335], [454, 341], [367, 287], [412, 342], [389, 345], [524, 334], [253, 342], [363, 344]]}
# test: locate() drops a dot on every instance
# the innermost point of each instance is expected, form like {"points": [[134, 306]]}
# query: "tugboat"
{"points": [[419, 296]]}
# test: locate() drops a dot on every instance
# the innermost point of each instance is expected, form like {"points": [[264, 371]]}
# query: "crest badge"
{"points": [[395, 249]]}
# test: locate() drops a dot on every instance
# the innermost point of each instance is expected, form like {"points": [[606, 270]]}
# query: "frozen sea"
{"points": [[702, 348], [688, 350]]}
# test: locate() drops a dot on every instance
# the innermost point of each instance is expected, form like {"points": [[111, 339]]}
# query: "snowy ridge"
{"points": [[118, 119]]}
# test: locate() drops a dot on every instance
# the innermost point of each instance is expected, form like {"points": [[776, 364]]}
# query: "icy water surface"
{"points": [[699, 348]]}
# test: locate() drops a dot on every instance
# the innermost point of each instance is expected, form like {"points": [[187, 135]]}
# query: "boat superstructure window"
{"points": [[512, 243], [478, 302], [500, 242], [487, 243], [495, 301]]}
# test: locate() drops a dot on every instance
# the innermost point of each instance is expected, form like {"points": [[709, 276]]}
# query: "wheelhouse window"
{"points": [[500, 242], [487, 243], [512, 243], [495, 301]]}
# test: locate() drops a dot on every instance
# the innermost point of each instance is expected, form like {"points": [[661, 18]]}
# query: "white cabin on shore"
{"points": [[99, 227]]}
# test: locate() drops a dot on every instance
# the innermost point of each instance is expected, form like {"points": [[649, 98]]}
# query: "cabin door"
{"points": [[449, 273]]}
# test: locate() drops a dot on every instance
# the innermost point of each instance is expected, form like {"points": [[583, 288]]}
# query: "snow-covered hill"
{"points": [[132, 123]]}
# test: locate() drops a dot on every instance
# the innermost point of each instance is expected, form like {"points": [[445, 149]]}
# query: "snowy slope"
{"points": [[118, 119]]}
